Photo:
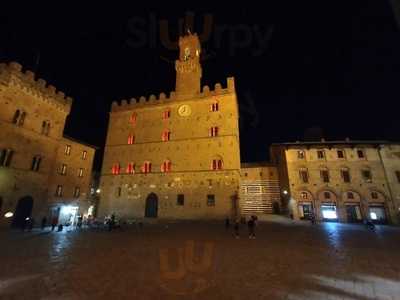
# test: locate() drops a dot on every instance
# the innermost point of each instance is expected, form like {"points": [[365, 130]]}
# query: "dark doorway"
{"points": [[353, 214], [23, 211], [151, 209]]}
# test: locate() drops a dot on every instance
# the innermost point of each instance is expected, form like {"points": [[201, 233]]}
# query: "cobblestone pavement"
{"points": [[202, 261]]}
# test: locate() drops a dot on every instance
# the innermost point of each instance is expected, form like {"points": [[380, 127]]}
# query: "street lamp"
{"points": [[98, 191], [285, 192], [9, 214]]}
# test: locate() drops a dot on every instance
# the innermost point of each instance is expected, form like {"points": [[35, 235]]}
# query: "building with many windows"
{"points": [[334, 181], [176, 156], [32, 118]]}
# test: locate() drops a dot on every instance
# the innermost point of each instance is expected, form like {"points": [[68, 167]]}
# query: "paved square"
{"points": [[199, 260]]}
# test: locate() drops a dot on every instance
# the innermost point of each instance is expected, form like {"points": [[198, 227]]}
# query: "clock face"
{"points": [[184, 110]]}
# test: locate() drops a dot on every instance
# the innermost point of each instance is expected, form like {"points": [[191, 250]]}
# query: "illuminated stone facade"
{"points": [[177, 156], [32, 118], [390, 154], [259, 189], [338, 181]]}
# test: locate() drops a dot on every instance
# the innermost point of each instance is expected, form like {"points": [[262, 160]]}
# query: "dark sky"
{"points": [[328, 64]]}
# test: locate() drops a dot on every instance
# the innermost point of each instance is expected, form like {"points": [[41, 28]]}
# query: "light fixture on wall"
{"points": [[285, 192], [8, 214]]}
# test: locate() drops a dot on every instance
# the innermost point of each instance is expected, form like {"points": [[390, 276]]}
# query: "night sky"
{"points": [[332, 65]]}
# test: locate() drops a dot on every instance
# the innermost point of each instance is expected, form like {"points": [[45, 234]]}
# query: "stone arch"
{"points": [[304, 195], [22, 211], [376, 196], [322, 195], [351, 196], [151, 208]]}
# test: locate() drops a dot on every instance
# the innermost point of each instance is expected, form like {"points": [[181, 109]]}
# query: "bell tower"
{"points": [[188, 68]]}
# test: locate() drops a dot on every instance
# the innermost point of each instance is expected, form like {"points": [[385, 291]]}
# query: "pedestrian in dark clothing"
{"points": [[251, 224], [80, 220], [31, 224], [54, 222], [44, 223], [236, 228], [227, 224]]}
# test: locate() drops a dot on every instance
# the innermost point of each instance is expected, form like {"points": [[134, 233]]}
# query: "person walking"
{"points": [[251, 225], [44, 223], [227, 224], [54, 222], [236, 229]]}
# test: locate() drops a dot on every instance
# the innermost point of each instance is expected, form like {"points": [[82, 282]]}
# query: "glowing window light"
{"points": [[9, 214], [373, 216]]}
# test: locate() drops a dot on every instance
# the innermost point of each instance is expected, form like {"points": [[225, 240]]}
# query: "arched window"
{"points": [[166, 114], [133, 118], [214, 131], [146, 167], [116, 169], [214, 106], [45, 128], [217, 164], [130, 168], [166, 166], [131, 139], [22, 119], [166, 135], [327, 195], [16, 117]]}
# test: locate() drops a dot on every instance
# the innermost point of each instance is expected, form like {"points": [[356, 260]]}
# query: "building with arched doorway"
{"points": [[174, 156], [35, 172], [341, 181]]}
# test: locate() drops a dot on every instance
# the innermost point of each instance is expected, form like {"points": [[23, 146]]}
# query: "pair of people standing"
{"points": [[251, 224]]}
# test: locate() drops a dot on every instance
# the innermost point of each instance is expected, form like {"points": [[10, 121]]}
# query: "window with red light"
{"points": [[214, 106], [131, 139], [130, 168], [133, 118], [116, 169], [166, 135], [166, 114], [217, 164], [146, 167], [166, 166], [214, 131]]}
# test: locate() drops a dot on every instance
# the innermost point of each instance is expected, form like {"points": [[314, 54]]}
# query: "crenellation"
{"points": [[13, 74], [162, 96], [132, 101]]}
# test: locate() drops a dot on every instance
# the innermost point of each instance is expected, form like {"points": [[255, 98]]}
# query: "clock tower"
{"points": [[188, 68]]}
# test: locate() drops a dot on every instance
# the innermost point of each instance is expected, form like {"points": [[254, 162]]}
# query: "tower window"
{"points": [[45, 128], [146, 167], [116, 169], [166, 114], [360, 154], [166, 136], [214, 106], [131, 139], [133, 118], [84, 154], [119, 191], [80, 172], [16, 117], [166, 166], [67, 150], [214, 131], [130, 168], [216, 164], [19, 117], [36, 163], [301, 154]]}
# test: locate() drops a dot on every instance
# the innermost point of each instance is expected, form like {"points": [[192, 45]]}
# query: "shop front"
{"points": [[329, 212], [352, 202], [377, 213]]}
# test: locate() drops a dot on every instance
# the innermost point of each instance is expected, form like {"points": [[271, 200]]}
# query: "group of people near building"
{"points": [[251, 225]]}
